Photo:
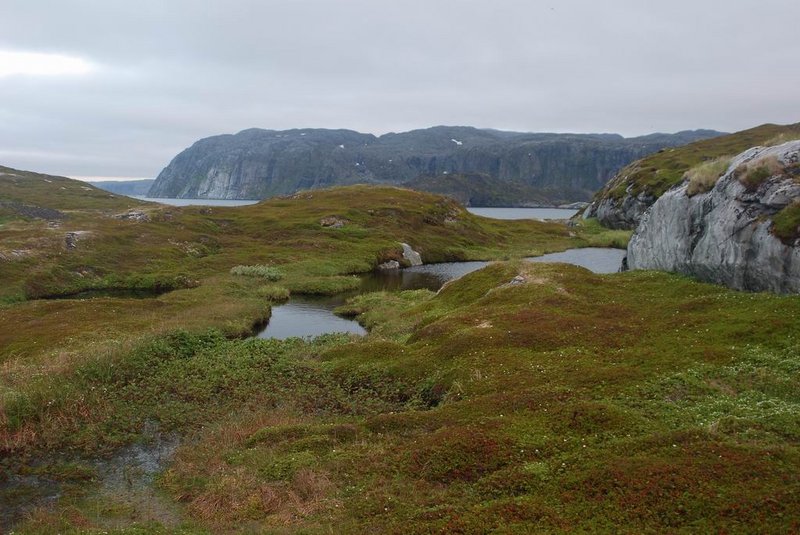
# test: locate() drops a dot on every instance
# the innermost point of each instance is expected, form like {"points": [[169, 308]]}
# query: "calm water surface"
{"points": [[312, 316], [597, 259], [196, 202], [523, 213]]}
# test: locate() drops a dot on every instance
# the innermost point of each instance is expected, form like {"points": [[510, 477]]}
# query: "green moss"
{"points": [[786, 223], [753, 177]]}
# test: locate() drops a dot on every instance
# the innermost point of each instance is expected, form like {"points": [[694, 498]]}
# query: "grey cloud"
{"points": [[172, 72]]}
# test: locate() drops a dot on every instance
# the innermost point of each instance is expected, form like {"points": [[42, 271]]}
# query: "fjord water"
{"points": [[197, 202], [493, 213], [313, 316], [523, 213]]}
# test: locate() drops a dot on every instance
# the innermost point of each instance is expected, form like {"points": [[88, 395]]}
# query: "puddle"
{"points": [[123, 487]]}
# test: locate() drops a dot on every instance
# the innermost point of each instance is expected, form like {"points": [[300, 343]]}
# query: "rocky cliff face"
{"points": [[728, 234], [261, 163]]}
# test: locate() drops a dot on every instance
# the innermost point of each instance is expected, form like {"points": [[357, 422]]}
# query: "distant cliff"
{"points": [[257, 163]]}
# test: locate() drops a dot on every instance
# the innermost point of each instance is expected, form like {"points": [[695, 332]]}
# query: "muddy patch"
{"points": [[118, 491]]}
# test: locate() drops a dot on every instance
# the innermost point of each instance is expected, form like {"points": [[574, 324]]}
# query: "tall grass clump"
{"points": [[259, 270], [702, 177], [752, 174], [781, 138]]}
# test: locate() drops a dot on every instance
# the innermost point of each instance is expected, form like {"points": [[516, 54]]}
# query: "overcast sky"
{"points": [[135, 82]]}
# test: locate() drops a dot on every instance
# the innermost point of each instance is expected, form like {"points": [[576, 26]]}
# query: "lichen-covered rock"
{"points": [[622, 213], [726, 235]]}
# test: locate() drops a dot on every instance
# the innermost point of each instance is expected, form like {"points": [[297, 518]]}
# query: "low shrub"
{"points": [[259, 270], [459, 454]]}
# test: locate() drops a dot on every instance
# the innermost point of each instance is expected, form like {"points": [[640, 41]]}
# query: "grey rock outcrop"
{"points": [[724, 235], [622, 213], [255, 163]]}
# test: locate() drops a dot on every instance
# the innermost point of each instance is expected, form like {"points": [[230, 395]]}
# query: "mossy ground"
{"points": [[573, 402]]}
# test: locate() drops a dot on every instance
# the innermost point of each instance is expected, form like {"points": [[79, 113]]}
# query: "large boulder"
{"points": [[727, 235]]}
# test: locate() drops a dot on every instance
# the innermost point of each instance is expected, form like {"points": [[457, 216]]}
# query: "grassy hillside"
{"points": [[564, 402], [54, 192], [158, 268], [656, 173]]}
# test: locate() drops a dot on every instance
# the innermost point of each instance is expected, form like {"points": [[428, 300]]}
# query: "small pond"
{"points": [[312, 316]]}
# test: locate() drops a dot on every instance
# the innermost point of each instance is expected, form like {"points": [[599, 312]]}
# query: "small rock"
{"points": [[133, 215], [333, 222], [390, 265], [71, 240]]}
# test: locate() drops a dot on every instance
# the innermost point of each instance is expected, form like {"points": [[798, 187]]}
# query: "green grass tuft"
{"points": [[270, 273], [273, 292], [702, 177], [786, 223]]}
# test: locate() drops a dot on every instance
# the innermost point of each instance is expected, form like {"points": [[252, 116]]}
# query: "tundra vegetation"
{"points": [[568, 401]]}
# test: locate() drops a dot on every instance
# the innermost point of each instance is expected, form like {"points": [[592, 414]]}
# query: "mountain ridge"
{"points": [[260, 163]]}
